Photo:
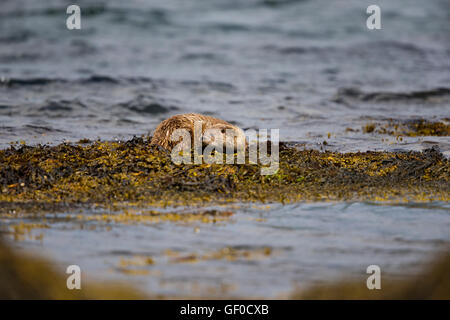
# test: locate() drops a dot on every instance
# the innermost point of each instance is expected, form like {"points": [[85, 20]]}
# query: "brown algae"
{"points": [[134, 173], [226, 253], [130, 216], [412, 128], [142, 264]]}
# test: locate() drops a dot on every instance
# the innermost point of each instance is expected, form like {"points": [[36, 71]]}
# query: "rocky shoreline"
{"points": [[135, 173]]}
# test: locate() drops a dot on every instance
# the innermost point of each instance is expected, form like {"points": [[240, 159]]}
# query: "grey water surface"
{"points": [[307, 67], [310, 244]]}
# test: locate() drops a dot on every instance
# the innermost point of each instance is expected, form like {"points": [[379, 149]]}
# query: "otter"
{"points": [[233, 138]]}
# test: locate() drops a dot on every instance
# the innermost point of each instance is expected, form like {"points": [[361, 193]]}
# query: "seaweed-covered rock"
{"points": [[107, 173]]}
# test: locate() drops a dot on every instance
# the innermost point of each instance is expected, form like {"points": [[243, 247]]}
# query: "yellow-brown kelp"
{"points": [[44, 178], [412, 128]]}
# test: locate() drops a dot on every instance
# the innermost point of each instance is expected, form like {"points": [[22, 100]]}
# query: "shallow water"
{"points": [[309, 244], [308, 68]]}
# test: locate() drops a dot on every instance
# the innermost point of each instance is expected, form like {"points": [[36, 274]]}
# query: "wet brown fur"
{"points": [[186, 121]]}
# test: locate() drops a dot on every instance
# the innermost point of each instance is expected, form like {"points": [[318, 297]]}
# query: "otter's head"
{"points": [[226, 136]]}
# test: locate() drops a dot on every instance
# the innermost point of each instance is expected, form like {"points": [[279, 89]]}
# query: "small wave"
{"points": [[228, 27], [240, 5], [80, 47], [279, 3], [92, 10], [146, 105], [17, 36], [19, 57], [100, 79], [139, 18], [28, 82], [55, 106], [405, 47], [50, 108], [10, 82], [151, 108], [297, 50], [200, 56], [41, 129], [211, 85], [346, 94]]}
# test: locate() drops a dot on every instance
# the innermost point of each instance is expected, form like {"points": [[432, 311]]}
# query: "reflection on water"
{"points": [[251, 251]]}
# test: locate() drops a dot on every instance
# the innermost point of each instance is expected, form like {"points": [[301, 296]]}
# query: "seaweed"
{"points": [[410, 128], [134, 173]]}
